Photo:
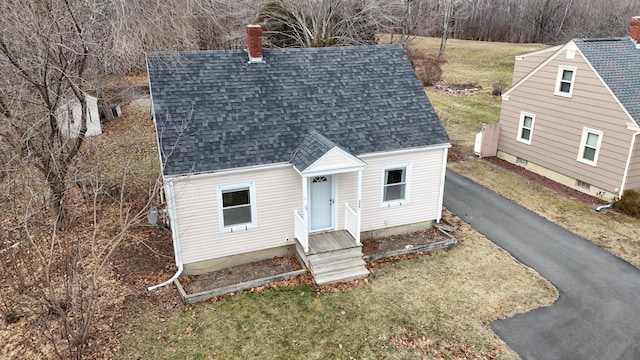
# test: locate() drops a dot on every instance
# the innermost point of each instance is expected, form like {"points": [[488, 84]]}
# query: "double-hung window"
{"points": [[525, 128], [590, 146], [564, 83], [236, 207], [395, 184]]}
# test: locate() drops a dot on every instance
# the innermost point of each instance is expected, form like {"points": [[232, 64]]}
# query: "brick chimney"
{"points": [[254, 43], [634, 29]]}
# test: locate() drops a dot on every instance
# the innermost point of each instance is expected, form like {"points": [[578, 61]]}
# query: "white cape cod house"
{"points": [[270, 151]]}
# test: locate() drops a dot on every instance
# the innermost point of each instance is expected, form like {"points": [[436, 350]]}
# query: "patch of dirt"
{"points": [[398, 242], [456, 153], [546, 182], [240, 273]]}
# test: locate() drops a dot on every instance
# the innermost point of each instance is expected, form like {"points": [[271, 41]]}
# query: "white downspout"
{"points": [[174, 234], [626, 167], [442, 179], [359, 208]]}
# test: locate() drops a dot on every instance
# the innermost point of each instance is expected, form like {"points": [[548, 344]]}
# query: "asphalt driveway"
{"points": [[597, 315]]}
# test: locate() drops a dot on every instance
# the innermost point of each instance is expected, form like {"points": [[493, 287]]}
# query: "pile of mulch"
{"points": [[546, 182], [403, 241], [240, 273]]}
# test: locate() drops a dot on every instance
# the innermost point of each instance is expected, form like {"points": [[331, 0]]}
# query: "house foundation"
{"points": [[559, 178], [201, 267], [396, 230]]}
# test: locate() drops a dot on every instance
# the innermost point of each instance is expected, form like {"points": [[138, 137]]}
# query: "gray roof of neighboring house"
{"points": [[214, 111], [617, 61]]}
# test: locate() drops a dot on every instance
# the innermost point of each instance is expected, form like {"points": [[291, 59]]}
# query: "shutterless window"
{"points": [[395, 184], [566, 81], [590, 146], [236, 207], [525, 131], [566, 77]]}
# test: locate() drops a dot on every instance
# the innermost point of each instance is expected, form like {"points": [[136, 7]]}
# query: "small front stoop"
{"points": [[338, 266]]}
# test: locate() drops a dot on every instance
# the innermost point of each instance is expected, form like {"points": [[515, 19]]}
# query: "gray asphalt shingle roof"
{"points": [[617, 60], [312, 148], [214, 111]]}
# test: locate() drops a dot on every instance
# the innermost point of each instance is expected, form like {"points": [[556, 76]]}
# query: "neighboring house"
{"points": [[70, 119], [574, 116], [312, 149]]}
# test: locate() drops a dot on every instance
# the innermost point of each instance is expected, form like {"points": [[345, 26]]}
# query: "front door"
{"points": [[320, 203]]}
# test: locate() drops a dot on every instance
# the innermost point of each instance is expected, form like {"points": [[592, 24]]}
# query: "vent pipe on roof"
{"points": [[634, 29], [254, 43]]}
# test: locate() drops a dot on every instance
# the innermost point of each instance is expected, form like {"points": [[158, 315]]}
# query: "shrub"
{"points": [[499, 85], [428, 67], [629, 203]]}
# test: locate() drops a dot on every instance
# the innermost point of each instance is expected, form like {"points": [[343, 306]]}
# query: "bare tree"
{"points": [[451, 12], [318, 23], [548, 18], [409, 18], [136, 27], [57, 279], [45, 52], [304, 23]]}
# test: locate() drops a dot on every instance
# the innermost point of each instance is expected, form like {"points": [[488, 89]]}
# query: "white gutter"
{"points": [[442, 180], [405, 151], [229, 172], [174, 234], [626, 167]]}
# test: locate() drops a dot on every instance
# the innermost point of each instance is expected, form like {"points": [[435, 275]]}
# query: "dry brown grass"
{"points": [[612, 231]]}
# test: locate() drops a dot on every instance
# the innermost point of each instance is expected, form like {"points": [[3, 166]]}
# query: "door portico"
{"points": [[319, 163]]}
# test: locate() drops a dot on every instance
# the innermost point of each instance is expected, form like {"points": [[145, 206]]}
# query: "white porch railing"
{"points": [[351, 223], [301, 232]]}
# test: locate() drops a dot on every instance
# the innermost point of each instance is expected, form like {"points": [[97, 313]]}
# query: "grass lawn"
{"points": [[471, 62], [476, 62], [463, 116], [435, 306]]}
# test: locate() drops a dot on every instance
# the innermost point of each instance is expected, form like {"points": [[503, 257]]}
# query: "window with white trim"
{"points": [[590, 146], [564, 83], [525, 128], [236, 207], [395, 184]]}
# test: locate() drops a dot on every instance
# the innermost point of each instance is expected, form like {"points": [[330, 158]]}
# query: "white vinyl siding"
{"points": [[565, 81], [346, 193], [590, 146], [278, 192], [525, 128], [425, 177]]}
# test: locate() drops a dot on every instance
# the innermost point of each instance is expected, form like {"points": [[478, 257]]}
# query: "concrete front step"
{"points": [[345, 275], [328, 257], [346, 263], [337, 266]]}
